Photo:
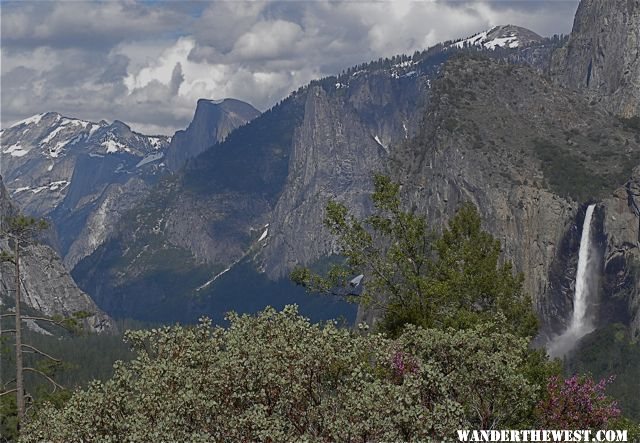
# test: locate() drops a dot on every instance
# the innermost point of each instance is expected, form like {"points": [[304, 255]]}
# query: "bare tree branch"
{"points": [[50, 320], [8, 392], [41, 353], [53, 382]]}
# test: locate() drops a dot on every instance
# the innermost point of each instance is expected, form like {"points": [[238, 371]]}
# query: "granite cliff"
{"points": [[602, 57], [47, 288], [530, 158], [212, 123]]}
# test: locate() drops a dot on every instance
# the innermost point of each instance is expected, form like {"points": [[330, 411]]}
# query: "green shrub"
{"points": [[277, 377]]}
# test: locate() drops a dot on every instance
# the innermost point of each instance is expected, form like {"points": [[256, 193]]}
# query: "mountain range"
{"points": [[530, 129], [83, 175]]}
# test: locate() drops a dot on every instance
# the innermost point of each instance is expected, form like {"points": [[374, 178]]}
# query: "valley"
{"points": [[540, 135]]}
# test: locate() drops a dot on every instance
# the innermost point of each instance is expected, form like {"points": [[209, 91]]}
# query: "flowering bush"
{"points": [[577, 403], [276, 377], [403, 364]]}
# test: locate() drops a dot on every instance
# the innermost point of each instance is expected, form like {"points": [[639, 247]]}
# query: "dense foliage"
{"points": [[415, 277], [278, 377]]}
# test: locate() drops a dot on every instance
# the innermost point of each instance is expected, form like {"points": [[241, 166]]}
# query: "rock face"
{"points": [[75, 172], [621, 283], [602, 57], [212, 123], [345, 137], [47, 287], [517, 153]]}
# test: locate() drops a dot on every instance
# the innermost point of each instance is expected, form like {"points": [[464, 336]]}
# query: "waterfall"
{"points": [[580, 324]]}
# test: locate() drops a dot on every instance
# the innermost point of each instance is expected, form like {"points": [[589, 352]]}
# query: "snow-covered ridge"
{"points": [[504, 36], [35, 119], [51, 134]]}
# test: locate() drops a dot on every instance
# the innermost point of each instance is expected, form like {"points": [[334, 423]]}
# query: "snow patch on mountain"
{"points": [[114, 146], [159, 142], [55, 151], [52, 134], [35, 119], [16, 150], [93, 129], [474, 40], [504, 42], [382, 145], [506, 36], [58, 186], [74, 122]]}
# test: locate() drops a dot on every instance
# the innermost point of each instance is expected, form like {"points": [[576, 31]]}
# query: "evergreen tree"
{"points": [[414, 276], [21, 231]]}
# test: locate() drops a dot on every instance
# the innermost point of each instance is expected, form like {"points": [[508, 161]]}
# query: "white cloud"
{"points": [[161, 68], [268, 40]]}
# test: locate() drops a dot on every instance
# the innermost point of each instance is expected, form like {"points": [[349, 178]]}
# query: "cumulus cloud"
{"points": [[87, 24], [147, 63]]}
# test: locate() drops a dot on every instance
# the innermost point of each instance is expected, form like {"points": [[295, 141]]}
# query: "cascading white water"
{"points": [[578, 320], [580, 324]]}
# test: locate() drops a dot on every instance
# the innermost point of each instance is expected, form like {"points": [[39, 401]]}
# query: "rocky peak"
{"points": [[120, 126], [602, 57], [40, 154], [65, 168], [212, 122], [504, 36]]}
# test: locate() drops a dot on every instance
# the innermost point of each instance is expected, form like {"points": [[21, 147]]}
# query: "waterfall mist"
{"points": [[581, 322]]}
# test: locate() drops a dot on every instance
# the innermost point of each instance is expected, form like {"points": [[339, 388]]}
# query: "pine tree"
{"points": [[416, 277], [22, 231]]}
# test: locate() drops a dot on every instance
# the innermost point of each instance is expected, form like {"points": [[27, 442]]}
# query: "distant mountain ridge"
{"points": [[64, 168], [84, 175], [212, 122]]}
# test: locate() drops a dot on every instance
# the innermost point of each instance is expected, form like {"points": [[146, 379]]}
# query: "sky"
{"points": [[146, 62]]}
